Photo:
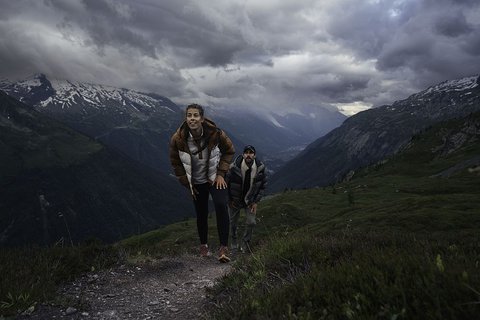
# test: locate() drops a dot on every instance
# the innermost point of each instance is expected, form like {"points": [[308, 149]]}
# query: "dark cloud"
{"points": [[11, 8], [453, 25], [471, 44], [261, 53], [344, 89], [411, 50], [354, 28], [106, 23], [448, 3], [435, 43]]}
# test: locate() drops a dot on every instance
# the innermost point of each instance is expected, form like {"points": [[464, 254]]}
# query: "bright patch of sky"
{"points": [[350, 109]]}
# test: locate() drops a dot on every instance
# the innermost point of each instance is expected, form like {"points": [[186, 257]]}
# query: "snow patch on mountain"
{"points": [[46, 102], [67, 94], [454, 85], [4, 82], [30, 83]]}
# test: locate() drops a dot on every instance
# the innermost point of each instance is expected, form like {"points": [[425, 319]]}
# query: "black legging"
{"points": [[220, 200]]}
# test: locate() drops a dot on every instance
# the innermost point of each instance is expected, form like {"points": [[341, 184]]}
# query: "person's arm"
{"points": [[176, 163], [227, 152], [263, 185]]}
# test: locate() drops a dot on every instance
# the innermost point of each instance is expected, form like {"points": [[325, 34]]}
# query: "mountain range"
{"points": [[372, 135], [140, 124]]}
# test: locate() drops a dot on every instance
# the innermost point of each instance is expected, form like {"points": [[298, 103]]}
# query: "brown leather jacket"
{"points": [[220, 152]]}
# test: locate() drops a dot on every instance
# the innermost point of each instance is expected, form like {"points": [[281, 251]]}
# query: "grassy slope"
{"points": [[30, 140], [392, 243]]}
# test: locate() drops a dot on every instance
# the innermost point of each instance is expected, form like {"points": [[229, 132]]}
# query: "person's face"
{"points": [[248, 156], [194, 119]]}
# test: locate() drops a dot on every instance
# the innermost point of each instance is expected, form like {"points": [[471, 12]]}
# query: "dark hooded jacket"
{"points": [[235, 183]]}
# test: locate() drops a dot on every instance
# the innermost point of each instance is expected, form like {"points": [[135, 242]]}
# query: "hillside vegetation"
{"points": [[398, 240], [394, 242]]}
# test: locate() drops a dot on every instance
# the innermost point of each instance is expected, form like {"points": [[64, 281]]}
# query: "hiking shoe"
{"points": [[223, 254], [204, 252]]}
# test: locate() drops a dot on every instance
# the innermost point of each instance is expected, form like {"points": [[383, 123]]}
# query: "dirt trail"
{"points": [[170, 288]]}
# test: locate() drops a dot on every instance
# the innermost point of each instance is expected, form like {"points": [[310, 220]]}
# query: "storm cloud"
{"points": [[252, 54]]}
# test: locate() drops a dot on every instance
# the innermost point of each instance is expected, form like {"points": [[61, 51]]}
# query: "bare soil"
{"points": [[170, 288]]}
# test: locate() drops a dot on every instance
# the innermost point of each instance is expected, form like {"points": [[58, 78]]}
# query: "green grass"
{"points": [[33, 141], [31, 275], [33, 152], [174, 239], [390, 255], [353, 276], [393, 243]]}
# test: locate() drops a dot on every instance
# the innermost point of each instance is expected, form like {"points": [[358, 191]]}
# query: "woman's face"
{"points": [[194, 119]]}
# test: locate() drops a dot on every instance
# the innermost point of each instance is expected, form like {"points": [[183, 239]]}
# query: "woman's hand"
{"points": [[220, 182]]}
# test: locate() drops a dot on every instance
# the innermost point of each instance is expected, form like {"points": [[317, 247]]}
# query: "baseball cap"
{"points": [[249, 147]]}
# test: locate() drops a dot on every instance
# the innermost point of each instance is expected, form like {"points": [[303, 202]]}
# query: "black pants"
{"points": [[220, 201]]}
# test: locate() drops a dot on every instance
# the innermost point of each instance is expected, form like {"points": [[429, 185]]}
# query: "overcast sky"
{"points": [[286, 55]]}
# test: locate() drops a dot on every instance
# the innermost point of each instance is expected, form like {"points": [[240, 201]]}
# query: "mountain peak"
{"points": [[62, 94], [454, 85], [31, 81]]}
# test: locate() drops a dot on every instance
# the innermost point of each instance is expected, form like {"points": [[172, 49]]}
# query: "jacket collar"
{"points": [[239, 160]]}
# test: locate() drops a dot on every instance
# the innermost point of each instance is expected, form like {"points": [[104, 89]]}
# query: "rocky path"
{"points": [[170, 288]]}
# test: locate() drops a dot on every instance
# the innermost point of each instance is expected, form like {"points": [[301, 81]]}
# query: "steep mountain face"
{"points": [[372, 135], [140, 125], [59, 185]]}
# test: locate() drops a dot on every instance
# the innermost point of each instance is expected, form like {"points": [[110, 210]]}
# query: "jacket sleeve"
{"points": [[261, 189], [177, 165], [228, 151], [228, 177]]}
